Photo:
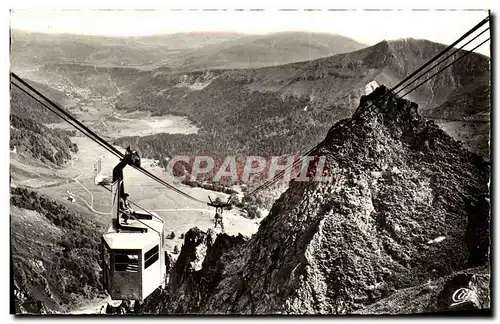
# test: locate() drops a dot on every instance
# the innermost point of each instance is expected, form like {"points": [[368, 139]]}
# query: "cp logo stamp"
{"points": [[461, 296]]}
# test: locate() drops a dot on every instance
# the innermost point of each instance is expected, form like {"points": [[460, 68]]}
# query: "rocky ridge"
{"points": [[407, 205]]}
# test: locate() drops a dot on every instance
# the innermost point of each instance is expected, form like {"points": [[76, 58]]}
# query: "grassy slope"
{"points": [[54, 253]]}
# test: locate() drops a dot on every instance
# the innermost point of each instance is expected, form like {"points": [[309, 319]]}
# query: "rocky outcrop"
{"points": [[196, 274], [407, 204]]}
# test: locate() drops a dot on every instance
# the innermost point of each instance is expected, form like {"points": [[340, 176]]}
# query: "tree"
{"points": [[235, 200]]}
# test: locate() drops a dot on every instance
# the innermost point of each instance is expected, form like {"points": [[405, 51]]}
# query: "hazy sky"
{"points": [[368, 27]]}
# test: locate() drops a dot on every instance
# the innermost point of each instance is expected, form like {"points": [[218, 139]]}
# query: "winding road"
{"points": [[121, 118], [91, 205]]}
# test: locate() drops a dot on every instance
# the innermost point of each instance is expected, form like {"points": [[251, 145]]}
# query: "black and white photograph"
{"points": [[287, 162]]}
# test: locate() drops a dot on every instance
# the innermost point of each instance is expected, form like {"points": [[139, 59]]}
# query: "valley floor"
{"points": [[75, 179]]}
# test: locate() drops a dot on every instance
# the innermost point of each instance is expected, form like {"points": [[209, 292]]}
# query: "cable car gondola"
{"points": [[132, 252], [219, 208]]}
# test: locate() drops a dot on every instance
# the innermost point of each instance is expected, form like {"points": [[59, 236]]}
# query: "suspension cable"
{"points": [[61, 116], [391, 93], [64, 115], [440, 62], [447, 66], [92, 135], [271, 182], [89, 133]]}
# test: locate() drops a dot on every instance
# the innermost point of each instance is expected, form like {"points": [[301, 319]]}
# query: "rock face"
{"points": [[197, 270], [407, 205]]}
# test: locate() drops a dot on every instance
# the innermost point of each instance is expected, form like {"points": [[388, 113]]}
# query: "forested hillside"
{"points": [[29, 136], [24, 106], [286, 109], [54, 256], [40, 142]]}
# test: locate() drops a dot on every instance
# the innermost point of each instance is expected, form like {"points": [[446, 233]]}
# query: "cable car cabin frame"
{"points": [[132, 254]]}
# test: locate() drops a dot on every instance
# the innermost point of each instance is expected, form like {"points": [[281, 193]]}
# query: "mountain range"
{"points": [[264, 50], [180, 51]]}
